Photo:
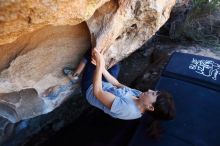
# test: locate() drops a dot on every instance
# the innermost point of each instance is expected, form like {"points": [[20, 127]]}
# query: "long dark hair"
{"points": [[164, 109]]}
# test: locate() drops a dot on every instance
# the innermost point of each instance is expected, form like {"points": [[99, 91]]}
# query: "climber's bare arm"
{"points": [[80, 67], [105, 97], [112, 79]]}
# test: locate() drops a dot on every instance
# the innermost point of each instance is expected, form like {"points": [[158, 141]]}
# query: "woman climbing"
{"points": [[114, 98]]}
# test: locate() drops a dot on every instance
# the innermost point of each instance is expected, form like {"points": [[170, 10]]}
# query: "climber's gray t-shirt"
{"points": [[123, 106]]}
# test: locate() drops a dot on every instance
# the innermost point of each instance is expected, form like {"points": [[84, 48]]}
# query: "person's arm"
{"points": [[112, 79], [105, 97], [80, 68]]}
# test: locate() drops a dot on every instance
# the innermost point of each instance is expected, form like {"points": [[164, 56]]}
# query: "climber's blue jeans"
{"points": [[87, 77]]}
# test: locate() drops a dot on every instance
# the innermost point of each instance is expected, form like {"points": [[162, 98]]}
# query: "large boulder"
{"points": [[39, 38]]}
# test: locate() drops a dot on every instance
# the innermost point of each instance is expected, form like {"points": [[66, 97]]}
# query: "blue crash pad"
{"points": [[197, 121], [196, 69]]}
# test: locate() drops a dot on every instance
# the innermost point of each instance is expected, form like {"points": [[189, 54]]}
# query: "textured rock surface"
{"points": [[18, 17], [36, 61], [127, 26], [39, 38]]}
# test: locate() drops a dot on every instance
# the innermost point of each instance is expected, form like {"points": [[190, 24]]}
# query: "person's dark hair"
{"points": [[164, 109]]}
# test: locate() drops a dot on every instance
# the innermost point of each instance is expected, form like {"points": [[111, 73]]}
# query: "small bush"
{"points": [[202, 23], [212, 4]]}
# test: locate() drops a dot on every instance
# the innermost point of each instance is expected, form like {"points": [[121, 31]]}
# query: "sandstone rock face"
{"points": [[39, 38], [18, 17], [127, 26]]}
